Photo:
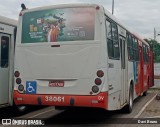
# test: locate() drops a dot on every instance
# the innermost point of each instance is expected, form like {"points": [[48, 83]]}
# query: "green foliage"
{"points": [[155, 48]]}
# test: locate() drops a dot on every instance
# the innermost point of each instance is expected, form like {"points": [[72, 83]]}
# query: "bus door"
{"points": [[4, 68], [123, 50], [141, 69], [151, 70]]}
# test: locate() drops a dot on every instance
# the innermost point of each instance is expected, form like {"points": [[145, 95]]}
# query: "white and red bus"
{"points": [[7, 42], [79, 55]]}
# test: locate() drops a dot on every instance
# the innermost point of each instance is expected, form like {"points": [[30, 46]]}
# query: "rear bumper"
{"points": [[99, 101]]}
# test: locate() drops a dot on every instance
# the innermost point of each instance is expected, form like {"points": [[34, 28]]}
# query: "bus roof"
{"points": [[8, 21], [61, 6], [138, 37], [118, 22], [78, 5], [109, 15]]}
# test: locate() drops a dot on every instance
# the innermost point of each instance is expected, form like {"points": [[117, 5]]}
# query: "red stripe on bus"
{"points": [[100, 100]]}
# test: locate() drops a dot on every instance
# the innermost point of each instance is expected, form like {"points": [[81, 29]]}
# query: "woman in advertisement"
{"points": [[52, 34]]}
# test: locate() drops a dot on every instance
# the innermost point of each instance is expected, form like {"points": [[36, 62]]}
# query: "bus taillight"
{"points": [[16, 74], [100, 73], [20, 87], [95, 89], [18, 81], [97, 7], [98, 81], [20, 14]]}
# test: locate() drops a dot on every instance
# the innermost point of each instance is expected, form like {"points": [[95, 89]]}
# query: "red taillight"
{"points": [[21, 87], [100, 73], [16, 74], [18, 81], [20, 14], [97, 7], [98, 81]]}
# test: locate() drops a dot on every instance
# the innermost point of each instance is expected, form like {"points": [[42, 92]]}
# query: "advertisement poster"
{"points": [[56, 25]]}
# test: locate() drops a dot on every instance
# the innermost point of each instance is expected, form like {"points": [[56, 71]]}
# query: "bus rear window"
{"points": [[56, 25]]}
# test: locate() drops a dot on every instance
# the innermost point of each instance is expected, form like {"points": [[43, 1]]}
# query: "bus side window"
{"points": [[4, 51], [115, 41], [145, 54], [144, 58], [109, 40], [130, 47], [135, 49], [112, 40]]}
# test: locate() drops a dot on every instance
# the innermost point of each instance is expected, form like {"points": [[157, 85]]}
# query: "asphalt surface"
{"points": [[80, 116]]}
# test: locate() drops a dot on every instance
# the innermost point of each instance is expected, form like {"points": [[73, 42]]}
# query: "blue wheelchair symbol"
{"points": [[31, 87]]}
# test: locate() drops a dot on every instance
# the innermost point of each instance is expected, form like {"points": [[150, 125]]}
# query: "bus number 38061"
{"points": [[54, 99]]}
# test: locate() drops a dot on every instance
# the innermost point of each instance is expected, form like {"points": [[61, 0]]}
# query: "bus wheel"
{"points": [[145, 93], [60, 108], [129, 106]]}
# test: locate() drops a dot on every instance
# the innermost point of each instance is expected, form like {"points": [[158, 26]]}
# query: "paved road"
{"points": [[82, 117]]}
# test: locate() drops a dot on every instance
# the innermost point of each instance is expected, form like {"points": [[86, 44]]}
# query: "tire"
{"points": [[158, 97], [129, 106], [145, 93], [61, 108]]}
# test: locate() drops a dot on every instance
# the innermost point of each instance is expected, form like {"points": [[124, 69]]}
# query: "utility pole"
{"points": [[112, 7], [154, 33]]}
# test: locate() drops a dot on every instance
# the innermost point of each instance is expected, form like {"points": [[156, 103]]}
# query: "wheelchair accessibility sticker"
{"points": [[31, 87]]}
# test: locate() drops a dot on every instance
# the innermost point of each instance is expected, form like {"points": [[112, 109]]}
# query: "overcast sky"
{"points": [[140, 16]]}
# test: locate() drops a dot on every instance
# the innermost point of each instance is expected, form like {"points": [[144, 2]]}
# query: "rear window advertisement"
{"points": [[70, 24]]}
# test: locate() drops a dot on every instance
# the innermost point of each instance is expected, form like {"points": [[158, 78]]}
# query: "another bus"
{"points": [[79, 55], [7, 44]]}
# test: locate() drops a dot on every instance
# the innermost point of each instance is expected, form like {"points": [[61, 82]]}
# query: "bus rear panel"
{"points": [[58, 58], [79, 55]]}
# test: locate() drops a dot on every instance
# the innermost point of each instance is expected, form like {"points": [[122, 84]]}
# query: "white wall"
{"points": [[157, 72], [158, 37]]}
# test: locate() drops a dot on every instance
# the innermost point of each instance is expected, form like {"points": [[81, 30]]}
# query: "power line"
{"points": [[112, 7]]}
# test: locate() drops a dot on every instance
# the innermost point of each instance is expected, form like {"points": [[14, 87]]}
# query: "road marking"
{"points": [[153, 117], [41, 113], [140, 112]]}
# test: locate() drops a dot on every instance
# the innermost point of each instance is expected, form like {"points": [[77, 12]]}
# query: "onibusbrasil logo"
{"points": [[22, 122]]}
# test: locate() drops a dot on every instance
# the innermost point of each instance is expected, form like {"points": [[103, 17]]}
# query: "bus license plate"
{"points": [[56, 84]]}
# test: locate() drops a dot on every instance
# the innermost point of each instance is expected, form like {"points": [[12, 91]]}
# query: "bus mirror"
{"points": [[23, 6]]}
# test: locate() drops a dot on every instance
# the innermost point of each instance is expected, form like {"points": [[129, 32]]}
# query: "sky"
{"points": [[140, 16]]}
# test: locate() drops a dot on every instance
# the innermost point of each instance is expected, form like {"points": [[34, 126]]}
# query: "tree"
{"points": [[155, 48]]}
